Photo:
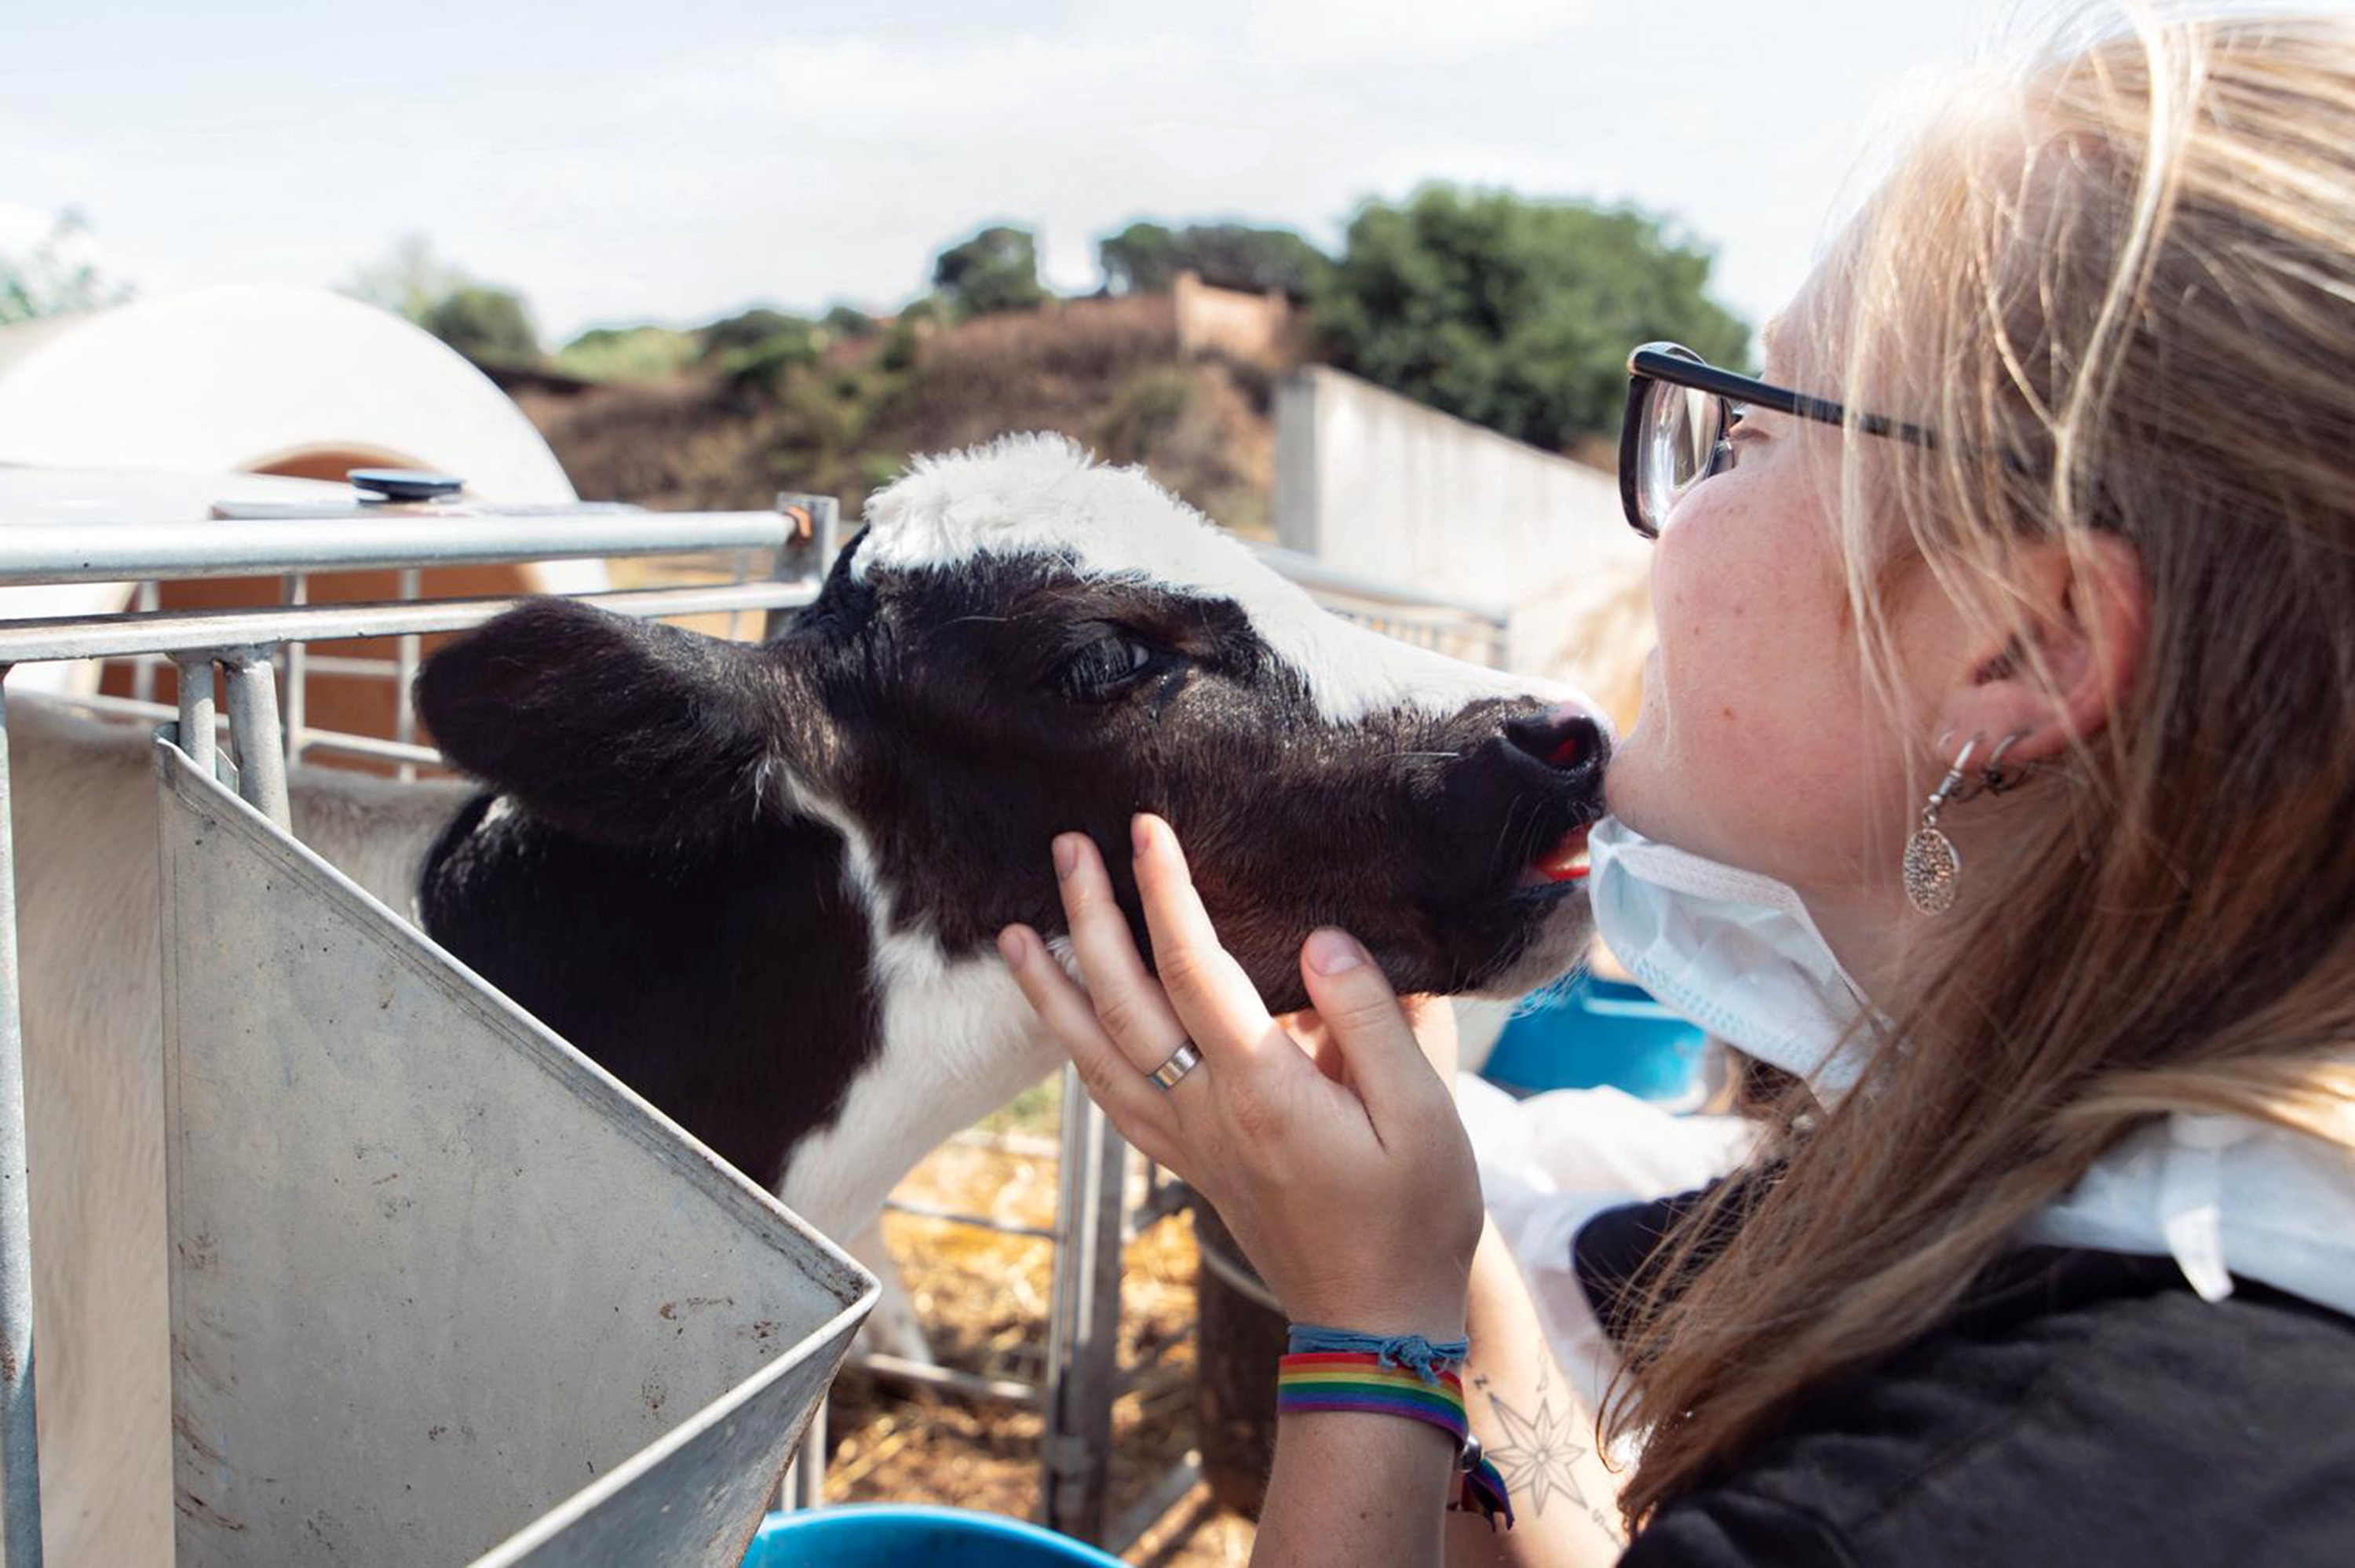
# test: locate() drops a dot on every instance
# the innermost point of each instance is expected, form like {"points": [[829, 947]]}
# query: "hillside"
{"points": [[1108, 372]]}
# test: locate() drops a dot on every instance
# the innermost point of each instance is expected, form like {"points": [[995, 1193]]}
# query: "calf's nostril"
{"points": [[1564, 740]]}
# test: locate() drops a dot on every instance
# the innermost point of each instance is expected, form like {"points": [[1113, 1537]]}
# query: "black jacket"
{"points": [[2080, 1408]]}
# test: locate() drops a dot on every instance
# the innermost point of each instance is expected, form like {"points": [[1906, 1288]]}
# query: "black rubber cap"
{"points": [[404, 483]]}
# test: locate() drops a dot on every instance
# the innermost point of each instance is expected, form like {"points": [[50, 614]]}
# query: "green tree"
{"points": [[56, 276], [1145, 257], [754, 328], [628, 354], [407, 279], [848, 322], [488, 325], [1515, 314], [760, 347], [997, 270]]}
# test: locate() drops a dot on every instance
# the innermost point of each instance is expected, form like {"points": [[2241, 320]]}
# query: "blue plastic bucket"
{"points": [[894, 1535], [1591, 1033]]}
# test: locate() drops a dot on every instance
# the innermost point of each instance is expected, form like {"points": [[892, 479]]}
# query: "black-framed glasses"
{"points": [[1678, 410]]}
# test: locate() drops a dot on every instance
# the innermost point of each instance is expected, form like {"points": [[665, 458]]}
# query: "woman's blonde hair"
{"points": [[2123, 297]]}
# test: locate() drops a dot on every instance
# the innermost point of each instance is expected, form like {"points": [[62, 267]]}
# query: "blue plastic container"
{"points": [[1588, 1034], [894, 1535]]}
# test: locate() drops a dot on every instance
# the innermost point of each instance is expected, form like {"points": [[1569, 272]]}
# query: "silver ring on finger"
{"points": [[1182, 1060]]}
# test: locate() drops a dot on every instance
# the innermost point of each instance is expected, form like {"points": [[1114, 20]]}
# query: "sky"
{"points": [[678, 160]]}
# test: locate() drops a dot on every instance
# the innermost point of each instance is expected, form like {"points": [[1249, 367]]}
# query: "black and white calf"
{"points": [[760, 884]]}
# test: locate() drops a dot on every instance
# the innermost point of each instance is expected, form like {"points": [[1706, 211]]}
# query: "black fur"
{"points": [[614, 729], [658, 899], [726, 985]]}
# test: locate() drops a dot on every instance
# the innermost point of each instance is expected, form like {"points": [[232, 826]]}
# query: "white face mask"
{"points": [[1735, 953], [1732, 950]]}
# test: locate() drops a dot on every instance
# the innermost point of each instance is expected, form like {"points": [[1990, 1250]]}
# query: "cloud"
{"points": [[23, 226], [869, 89], [742, 153], [1350, 35]]}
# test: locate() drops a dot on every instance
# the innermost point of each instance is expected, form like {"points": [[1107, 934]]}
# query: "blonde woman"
{"points": [[1996, 779]]}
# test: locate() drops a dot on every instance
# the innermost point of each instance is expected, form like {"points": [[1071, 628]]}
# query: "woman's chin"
{"points": [[1626, 782]]}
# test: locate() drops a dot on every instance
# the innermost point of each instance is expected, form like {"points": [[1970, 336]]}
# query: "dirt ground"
{"points": [[983, 1297]]}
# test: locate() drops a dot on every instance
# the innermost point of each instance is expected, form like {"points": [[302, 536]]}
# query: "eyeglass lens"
{"points": [[1679, 435]]}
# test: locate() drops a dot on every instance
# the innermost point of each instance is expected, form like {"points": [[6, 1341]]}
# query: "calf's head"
{"points": [[1021, 642]]}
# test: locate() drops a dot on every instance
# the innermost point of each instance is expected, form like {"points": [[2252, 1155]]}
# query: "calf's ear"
{"points": [[628, 731]]}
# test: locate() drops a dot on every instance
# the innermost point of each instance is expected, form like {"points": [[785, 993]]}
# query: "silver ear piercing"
{"points": [[1992, 778], [1932, 867]]}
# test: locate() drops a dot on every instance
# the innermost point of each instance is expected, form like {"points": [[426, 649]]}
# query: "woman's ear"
{"points": [[2081, 618]]}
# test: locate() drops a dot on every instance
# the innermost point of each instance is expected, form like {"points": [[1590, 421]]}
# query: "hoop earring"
{"points": [[1932, 867], [1992, 778]]}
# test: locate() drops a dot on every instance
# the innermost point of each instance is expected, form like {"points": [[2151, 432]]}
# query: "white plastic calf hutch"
{"points": [[135, 410], [441, 1289]]}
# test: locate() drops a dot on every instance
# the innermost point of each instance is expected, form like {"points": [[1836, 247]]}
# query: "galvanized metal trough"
{"points": [[443, 1290]]}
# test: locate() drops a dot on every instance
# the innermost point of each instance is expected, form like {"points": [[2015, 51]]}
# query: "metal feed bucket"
{"points": [[443, 1290]]}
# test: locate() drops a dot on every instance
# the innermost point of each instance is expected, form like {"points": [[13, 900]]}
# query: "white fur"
{"points": [[958, 1041], [1041, 496]]}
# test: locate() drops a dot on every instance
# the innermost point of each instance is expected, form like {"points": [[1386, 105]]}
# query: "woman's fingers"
{"points": [[1127, 998], [1214, 999], [1138, 1105], [1366, 1023]]}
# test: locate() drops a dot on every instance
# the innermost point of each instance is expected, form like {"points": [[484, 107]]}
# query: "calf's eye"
{"points": [[1104, 667]]}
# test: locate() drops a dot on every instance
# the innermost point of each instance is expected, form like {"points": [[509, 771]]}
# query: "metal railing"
{"points": [[240, 643], [1465, 629], [1093, 1219]]}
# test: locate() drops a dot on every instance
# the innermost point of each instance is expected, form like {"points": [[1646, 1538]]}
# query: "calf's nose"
{"points": [[1564, 737]]}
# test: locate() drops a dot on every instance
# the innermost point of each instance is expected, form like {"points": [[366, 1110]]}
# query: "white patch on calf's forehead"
{"points": [[1041, 496]]}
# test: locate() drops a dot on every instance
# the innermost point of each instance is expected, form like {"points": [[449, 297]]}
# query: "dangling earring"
{"points": [[1932, 868]]}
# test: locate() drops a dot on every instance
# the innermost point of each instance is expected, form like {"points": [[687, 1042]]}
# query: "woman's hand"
{"points": [[1336, 1156]]}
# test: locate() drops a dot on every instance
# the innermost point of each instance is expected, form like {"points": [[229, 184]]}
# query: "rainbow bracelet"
{"points": [[1370, 1382]]}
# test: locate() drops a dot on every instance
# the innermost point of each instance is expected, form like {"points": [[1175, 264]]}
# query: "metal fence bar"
{"points": [[297, 592], [241, 547], [253, 728], [824, 517], [331, 741], [143, 677], [197, 711], [404, 675], [342, 664], [1162, 1199], [20, 1487], [1018, 1392], [958, 1217], [1164, 1495], [312, 663], [1083, 1343], [810, 1490], [108, 637], [1320, 578]]}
